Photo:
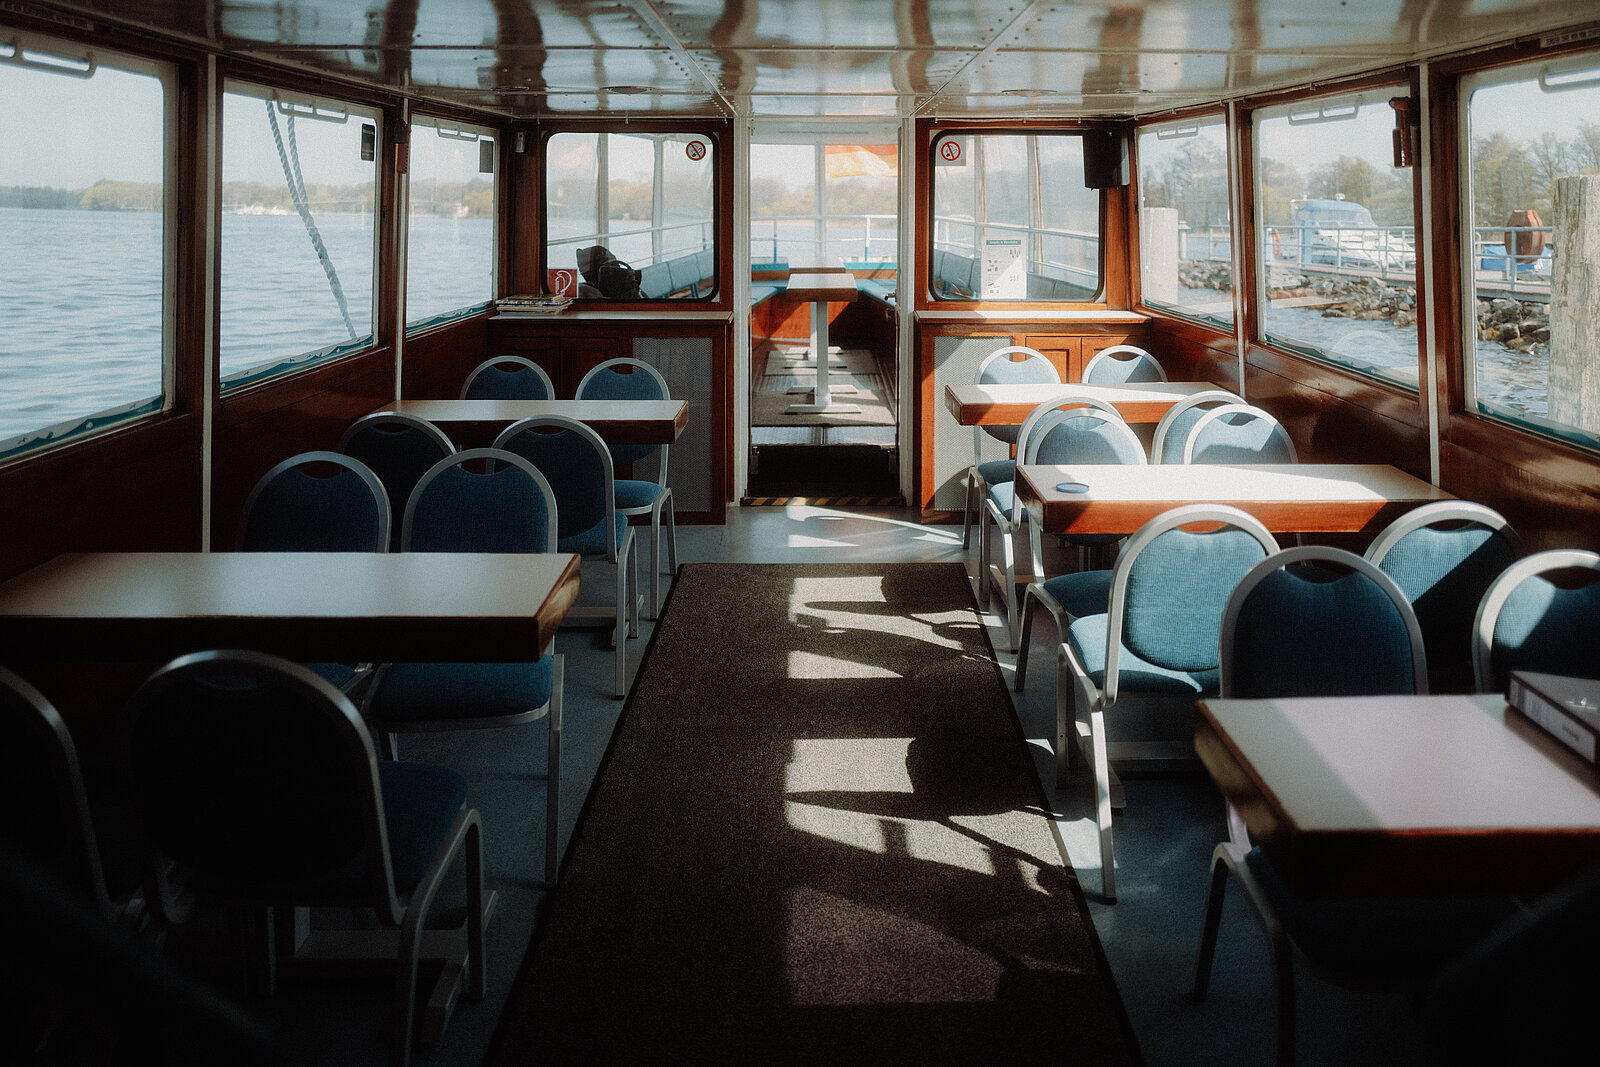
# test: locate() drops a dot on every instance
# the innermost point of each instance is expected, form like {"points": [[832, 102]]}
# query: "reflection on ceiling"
{"points": [[825, 58]]}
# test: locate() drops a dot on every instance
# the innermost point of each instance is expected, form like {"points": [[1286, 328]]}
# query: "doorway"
{"points": [[823, 203]]}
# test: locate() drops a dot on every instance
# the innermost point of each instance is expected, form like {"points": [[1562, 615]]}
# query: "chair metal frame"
{"points": [[977, 489], [620, 552], [1433, 514], [1090, 702], [551, 710], [661, 505], [397, 424], [1158, 441], [172, 898], [519, 361], [337, 459], [1218, 413], [1009, 521], [1494, 600], [1231, 855], [1140, 359], [80, 851]]}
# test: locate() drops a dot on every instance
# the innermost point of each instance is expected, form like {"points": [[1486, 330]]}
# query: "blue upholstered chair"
{"points": [[1070, 428], [479, 500], [508, 378], [1166, 446], [1526, 622], [397, 448], [44, 806], [1122, 363], [1000, 367], [578, 466], [1444, 556], [1238, 433], [316, 502], [319, 502], [1158, 636], [633, 379], [1317, 621], [252, 781]]}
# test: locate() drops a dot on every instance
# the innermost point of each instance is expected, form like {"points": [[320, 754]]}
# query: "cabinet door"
{"points": [[1065, 352], [580, 355]]}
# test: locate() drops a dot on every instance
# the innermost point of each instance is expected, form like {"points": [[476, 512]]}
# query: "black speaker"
{"points": [[1105, 159]]}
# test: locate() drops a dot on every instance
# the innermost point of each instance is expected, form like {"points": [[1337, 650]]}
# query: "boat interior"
{"points": [[677, 175]]}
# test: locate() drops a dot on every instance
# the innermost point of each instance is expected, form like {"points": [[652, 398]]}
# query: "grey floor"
{"points": [[1164, 839]]}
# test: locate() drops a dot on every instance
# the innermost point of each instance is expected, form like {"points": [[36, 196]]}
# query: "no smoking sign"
{"points": [[695, 150], [949, 152]]}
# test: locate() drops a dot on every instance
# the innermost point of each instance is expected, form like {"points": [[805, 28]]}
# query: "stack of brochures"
{"points": [[532, 304], [1567, 708]]}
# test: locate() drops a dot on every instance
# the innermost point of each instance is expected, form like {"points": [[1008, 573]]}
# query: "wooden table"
{"points": [[1287, 497], [470, 423], [1403, 795], [352, 606], [821, 289], [1010, 405]]}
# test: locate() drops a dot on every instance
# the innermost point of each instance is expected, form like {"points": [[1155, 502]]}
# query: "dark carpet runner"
{"points": [[816, 838]]}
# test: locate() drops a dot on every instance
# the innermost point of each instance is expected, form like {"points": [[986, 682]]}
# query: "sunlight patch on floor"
{"points": [[812, 667]]}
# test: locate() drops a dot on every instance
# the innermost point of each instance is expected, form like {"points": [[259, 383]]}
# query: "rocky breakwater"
{"points": [[1518, 325]]}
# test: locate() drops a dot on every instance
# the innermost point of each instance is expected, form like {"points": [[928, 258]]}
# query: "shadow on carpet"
{"points": [[817, 837]]}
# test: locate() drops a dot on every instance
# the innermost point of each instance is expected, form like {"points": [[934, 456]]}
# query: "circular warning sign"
{"points": [[950, 151], [695, 150]]}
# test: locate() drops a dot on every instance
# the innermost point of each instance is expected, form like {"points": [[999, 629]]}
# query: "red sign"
{"points": [[563, 280], [950, 151], [695, 150]]}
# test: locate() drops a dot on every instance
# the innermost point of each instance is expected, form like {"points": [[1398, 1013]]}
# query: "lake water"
{"points": [[81, 300], [81, 306]]}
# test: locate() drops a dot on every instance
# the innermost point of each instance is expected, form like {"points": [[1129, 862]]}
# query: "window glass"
{"points": [[1338, 232], [298, 231], [1185, 235], [1013, 219], [816, 203], [83, 210], [630, 216], [450, 252], [1533, 186]]}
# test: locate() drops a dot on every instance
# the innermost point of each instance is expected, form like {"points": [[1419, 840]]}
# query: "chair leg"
{"points": [[1009, 552], [636, 600], [983, 555], [655, 565], [1283, 981], [1024, 636], [1066, 741], [966, 515], [1102, 802], [620, 684], [552, 787], [1216, 892]]}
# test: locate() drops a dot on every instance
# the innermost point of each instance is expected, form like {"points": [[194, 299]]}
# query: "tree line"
{"points": [[1507, 175], [473, 199]]}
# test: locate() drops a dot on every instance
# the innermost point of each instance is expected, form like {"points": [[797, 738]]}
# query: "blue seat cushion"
{"points": [[337, 675], [1087, 636], [592, 542], [425, 692], [1003, 495], [1082, 592], [420, 801], [996, 471], [633, 493], [1381, 937]]}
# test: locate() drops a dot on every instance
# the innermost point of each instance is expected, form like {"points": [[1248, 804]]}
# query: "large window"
{"points": [[630, 216], [1533, 190], [84, 208], [450, 256], [299, 242], [1012, 218], [1185, 235], [813, 203], [1338, 231]]}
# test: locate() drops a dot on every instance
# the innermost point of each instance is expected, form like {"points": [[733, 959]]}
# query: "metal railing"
{"points": [[764, 247], [1042, 265]]}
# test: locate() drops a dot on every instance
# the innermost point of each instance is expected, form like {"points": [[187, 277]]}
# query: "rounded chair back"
{"points": [[508, 378], [1238, 433], [1122, 364], [399, 449], [1166, 446], [316, 502], [1000, 368], [481, 500], [1319, 621], [625, 378], [1526, 622]]}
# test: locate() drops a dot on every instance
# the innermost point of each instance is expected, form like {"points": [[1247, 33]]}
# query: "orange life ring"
{"points": [[1277, 244]]}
